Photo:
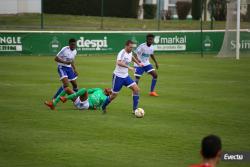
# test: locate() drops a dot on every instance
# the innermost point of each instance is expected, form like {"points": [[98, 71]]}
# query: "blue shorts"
{"points": [[140, 70], [66, 72], [118, 82]]}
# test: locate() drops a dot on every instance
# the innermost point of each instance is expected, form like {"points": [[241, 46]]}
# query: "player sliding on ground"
{"points": [[144, 52], [83, 99], [121, 77]]}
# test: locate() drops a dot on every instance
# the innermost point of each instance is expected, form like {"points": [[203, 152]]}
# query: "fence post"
{"points": [[201, 27], [42, 26], [102, 13], [159, 13]]}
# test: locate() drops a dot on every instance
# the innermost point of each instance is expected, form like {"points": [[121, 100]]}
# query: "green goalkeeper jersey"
{"points": [[96, 98]]}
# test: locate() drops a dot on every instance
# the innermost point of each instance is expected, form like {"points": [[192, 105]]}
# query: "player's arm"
{"points": [[74, 67], [153, 58], [134, 59], [122, 64], [57, 59], [92, 90]]}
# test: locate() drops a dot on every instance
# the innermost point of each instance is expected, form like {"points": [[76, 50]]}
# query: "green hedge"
{"points": [[246, 17], [115, 8], [121, 8], [218, 9], [75, 7], [183, 9], [149, 11], [248, 13], [196, 9]]}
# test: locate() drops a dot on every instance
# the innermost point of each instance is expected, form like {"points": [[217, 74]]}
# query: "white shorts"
{"points": [[81, 105]]}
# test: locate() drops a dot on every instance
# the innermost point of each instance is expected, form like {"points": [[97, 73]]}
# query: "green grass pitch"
{"points": [[198, 96]]}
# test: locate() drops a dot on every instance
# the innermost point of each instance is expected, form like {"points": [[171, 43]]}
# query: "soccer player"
{"points": [[144, 52], [83, 99], [121, 77], [66, 66], [210, 151]]}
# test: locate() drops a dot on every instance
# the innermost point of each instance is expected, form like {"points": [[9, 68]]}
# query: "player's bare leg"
{"points": [[137, 78], [74, 85], [113, 96], [68, 91], [153, 83], [66, 87]]}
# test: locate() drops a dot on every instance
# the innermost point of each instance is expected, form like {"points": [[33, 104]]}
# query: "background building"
{"points": [[20, 6], [166, 7]]}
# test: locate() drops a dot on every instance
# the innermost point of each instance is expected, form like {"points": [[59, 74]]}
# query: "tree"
{"points": [[196, 9], [218, 9]]}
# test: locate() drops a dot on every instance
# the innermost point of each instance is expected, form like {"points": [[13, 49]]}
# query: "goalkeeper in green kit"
{"points": [[84, 99]]}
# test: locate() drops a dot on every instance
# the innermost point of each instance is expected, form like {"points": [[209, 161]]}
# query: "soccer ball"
{"points": [[139, 113]]}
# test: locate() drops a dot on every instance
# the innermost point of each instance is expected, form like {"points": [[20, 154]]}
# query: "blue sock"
{"points": [[153, 83], [75, 89], [58, 92], [135, 101], [106, 102]]}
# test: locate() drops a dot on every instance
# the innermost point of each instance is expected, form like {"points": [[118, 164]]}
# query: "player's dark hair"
{"points": [[210, 146], [150, 36], [72, 40], [128, 42]]}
